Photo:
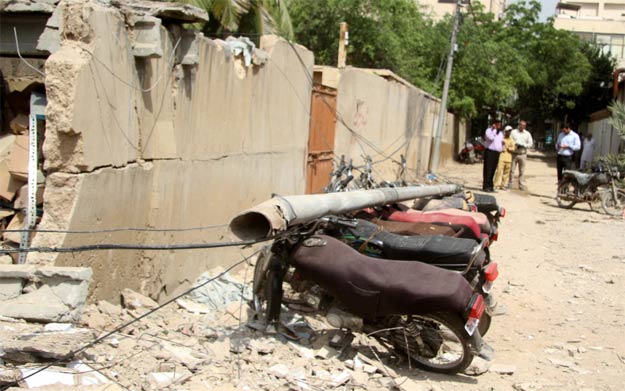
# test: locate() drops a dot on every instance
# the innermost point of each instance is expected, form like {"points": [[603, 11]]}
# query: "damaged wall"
{"points": [[395, 116], [173, 140]]}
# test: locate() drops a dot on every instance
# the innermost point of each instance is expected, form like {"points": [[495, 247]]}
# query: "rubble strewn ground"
{"points": [[561, 284]]}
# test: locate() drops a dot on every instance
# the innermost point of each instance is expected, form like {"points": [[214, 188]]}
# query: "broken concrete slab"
{"points": [[18, 164], [39, 6], [43, 345], [146, 36], [50, 40], [167, 11], [55, 294]]}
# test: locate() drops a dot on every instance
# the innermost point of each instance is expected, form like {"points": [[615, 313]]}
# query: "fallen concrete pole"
{"points": [[280, 213]]}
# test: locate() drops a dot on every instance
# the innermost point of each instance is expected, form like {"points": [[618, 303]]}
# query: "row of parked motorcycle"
{"points": [[415, 275]]}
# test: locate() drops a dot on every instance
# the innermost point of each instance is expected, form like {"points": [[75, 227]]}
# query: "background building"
{"points": [[597, 21], [439, 8]]}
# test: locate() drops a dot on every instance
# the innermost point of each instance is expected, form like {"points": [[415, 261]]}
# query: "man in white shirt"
{"points": [[523, 140], [588, 152], [568, 142]]}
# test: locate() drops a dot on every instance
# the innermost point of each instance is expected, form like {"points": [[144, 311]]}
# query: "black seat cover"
{"points": [[371, 288], [437, 250], [485, 202]]}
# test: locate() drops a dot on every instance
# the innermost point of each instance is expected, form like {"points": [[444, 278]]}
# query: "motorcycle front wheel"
{"points": [[566, 189], [267, 286], [436, 342], [611, 205]]}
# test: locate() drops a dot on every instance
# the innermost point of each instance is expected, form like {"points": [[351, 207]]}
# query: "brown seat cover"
{"points": [[370, 287], [402, 228]]}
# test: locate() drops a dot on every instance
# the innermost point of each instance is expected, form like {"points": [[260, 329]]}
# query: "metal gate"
{"points": [[321, 139]]}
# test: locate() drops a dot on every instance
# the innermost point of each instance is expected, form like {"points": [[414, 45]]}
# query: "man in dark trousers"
{"points": [[567, 144], [493, 141]]}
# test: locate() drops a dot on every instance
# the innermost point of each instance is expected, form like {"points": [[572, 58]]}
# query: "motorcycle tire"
{"points": [[567, 187], [427, 339], [267, 286], [613, 206]]}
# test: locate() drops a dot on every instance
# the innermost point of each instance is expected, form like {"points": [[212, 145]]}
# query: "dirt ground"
{"points": [[561, 285], [562, 282]]}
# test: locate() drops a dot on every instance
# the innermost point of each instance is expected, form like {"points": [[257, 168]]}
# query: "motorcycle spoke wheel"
{"points": [[565, 190], [613, 206], [435, 342]]}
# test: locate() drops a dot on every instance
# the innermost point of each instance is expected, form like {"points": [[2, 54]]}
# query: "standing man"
{"points": [[568, 142], [505, 160], [588, 152], [523, 140], [494, 144]]}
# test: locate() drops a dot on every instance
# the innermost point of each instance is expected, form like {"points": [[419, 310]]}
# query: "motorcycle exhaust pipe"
{"points": [[281, 213]]}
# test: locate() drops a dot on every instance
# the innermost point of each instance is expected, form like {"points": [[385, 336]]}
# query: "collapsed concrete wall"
{"points": [[395, 116], [172, 130]]}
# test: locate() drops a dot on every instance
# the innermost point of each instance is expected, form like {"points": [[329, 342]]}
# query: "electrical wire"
{"points": [[127, 324], [109, 230], [109, 246]]}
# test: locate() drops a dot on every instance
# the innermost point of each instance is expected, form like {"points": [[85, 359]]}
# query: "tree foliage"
{"points": [[246, 16], [519, 64]]}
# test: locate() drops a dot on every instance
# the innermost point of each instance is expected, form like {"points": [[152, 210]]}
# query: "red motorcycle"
{"points": [[473, 151]]}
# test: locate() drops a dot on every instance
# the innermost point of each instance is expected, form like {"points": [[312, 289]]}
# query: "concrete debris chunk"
{"points": [[220, 293], [160, 380], [56, 294], [32, 347], [326, 353], [193, 307], [340, 378], [184, 355], [76, 374], [134, 300], [280, 371]]}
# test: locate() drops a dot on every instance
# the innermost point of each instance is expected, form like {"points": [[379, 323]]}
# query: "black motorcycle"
{"points": [[424, 312], [578, 187]]}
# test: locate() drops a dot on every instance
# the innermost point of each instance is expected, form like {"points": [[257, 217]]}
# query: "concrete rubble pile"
{"points": [[196, 344]]}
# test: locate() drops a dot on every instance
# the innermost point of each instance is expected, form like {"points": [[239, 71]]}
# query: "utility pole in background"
{"points": [[434, 157], [343, 42]]}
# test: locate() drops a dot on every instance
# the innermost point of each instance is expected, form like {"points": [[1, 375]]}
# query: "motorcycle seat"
{"points": [[370, 288], [438, 250], [409, 229], [470, 229], [445, 203], [580, 177], [485, 203]]}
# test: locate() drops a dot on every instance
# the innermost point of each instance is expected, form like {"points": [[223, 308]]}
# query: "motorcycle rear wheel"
{"points": [[436, 342], [567, 188], [613, 206]]}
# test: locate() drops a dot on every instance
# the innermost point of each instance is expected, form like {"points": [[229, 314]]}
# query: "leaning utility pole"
{"points": [[434, 157]]}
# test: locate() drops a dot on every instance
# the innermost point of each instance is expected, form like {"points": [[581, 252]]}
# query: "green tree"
{"points": [[563, 70], [488, 70], [390, 34], [246, 16]]}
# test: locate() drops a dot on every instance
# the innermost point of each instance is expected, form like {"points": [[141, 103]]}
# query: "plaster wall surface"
{"points": [[396, 118], [149, 142]]}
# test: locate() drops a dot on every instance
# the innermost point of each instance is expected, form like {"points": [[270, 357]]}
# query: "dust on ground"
{"points": [[561, 285]]}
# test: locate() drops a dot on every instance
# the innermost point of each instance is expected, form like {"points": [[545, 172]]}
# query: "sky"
{"points": [[548, 8]]}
